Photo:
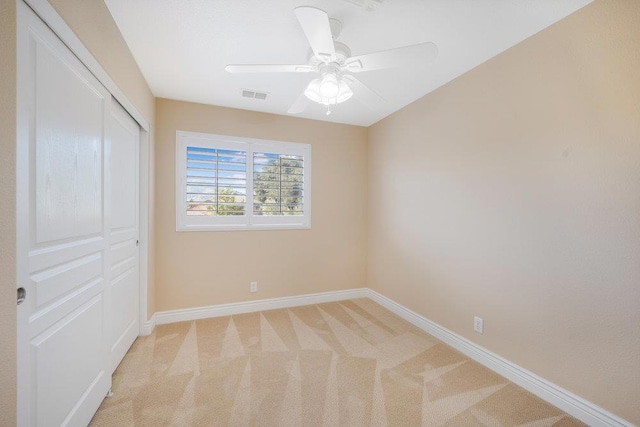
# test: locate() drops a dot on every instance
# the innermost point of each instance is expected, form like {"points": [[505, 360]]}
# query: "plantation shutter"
{"points": [[216, 181], [234, 183], [278, 184]]}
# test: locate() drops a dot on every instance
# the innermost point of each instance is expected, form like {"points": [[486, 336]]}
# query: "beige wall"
{"points": [[205, 268], [513, 193], [93, 24], [7, 212]]}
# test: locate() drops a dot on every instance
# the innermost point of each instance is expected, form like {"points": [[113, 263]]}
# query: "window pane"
{"points": [[262, 194], [200, 209], [278, 182], [216, 182], [201, 189]]}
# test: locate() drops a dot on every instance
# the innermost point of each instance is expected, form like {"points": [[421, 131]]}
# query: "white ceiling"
{"points": [[182, 46]]}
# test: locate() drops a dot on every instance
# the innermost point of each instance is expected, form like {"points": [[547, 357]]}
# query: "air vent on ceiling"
{"points": [[253, 94]]}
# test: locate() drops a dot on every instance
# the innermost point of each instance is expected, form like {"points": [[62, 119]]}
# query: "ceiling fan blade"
{"points": [[315, 24], [409, 55], [299, 105], [268, 68], [363, 93]]}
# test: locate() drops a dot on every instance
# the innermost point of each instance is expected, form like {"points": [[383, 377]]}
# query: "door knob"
{"points": [[22, 294]]}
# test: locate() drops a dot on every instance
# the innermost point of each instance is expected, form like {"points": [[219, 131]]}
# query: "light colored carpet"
{"points": [[351, 363]]}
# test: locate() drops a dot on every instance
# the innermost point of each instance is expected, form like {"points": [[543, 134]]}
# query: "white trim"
{"points": [[572, 404], [144, 164], [148, 326], [172, 316], [49, 15]]}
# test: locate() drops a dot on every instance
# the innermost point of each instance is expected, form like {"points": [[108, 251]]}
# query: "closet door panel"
{"points": [[63, 231], [124, 288]]}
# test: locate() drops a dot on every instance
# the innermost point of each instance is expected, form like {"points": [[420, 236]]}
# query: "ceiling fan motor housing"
{"points": [[342, 53]]}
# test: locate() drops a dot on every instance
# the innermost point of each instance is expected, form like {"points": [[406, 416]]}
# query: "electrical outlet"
{"points": [[253, 286], [478, 324]]}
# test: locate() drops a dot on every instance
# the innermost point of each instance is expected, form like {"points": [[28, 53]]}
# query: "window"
{"points": [[230, 183]]}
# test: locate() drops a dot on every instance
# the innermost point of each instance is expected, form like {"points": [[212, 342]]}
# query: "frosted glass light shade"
{"points": [[329, 86], [316, 92], [344, 93], [313, 91]]}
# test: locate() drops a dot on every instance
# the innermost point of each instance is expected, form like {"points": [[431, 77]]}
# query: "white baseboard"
{"points": [[172, 316], [574, 405], [148, 326]]}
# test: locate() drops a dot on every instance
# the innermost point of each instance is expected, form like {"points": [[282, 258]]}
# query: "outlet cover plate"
{"points": [[478, 324]]}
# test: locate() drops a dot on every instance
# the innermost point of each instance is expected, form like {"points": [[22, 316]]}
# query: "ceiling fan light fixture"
{"points": [[344, 93], [328, 90], [329, 87], [313, 91]]}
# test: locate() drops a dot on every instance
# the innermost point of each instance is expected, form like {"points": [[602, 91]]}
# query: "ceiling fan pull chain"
{"points": [[328, 109]]}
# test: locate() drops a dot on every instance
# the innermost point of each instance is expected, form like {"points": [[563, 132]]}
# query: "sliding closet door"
{"points": [[64, 226], [124, 289]]}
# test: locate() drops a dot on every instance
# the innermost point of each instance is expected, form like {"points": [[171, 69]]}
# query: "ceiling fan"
{"points": [[336, 67]]}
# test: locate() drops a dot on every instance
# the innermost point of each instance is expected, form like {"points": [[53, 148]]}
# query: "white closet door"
{"points": [[64, 226], [124, 289]]}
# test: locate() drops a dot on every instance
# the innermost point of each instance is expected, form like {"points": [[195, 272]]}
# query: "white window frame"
{"points": [[248, 221]]}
